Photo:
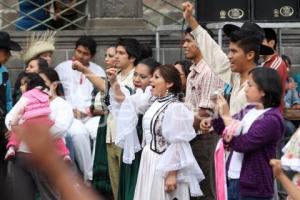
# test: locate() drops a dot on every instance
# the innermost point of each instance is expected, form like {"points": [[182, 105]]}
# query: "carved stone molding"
{"points": [[115, 8]]}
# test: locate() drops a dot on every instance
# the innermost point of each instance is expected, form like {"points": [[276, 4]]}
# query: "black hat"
{"points": [[228, 29], [7, 43]]}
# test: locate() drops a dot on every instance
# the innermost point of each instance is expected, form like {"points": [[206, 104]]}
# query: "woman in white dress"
{"points": [[168, 168]]}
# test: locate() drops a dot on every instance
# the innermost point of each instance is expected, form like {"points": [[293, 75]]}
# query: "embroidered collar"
{"points": [[165, 98]]}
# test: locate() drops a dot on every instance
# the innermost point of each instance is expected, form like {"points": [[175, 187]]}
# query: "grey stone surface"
{"points": [[171, 55], [115, 13], [115, 8], [59, 55], [7, 15], [116, 23], [293, 53]]}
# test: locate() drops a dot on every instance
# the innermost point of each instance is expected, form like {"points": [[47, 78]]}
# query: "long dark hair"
{"points": [[269, 82], [52, 75]]}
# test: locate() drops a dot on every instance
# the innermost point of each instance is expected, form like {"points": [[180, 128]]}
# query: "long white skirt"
{"points": [[150, 185]]}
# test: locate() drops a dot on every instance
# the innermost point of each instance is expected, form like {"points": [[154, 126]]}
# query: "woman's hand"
{"points": [[227, 138], [78, 114], [111, 75], [222, 106], [171, 181], [205, 125]]}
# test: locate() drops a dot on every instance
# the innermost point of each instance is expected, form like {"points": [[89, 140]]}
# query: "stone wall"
{"points": [[170, 50]]}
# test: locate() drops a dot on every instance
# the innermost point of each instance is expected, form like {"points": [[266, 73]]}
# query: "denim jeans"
{"points": [[233, 189]]}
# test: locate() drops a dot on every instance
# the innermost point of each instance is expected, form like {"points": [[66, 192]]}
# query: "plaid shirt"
{"points": [[201, 84]]}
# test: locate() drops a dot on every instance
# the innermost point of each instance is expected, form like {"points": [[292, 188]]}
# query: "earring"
{"points": [[167, 92]]}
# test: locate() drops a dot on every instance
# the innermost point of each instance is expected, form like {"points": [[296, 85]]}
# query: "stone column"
{"points": [[115, 14], [8, 14]]}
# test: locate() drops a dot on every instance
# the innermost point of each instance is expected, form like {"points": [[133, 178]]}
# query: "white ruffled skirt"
{"points": [[151, 185]]}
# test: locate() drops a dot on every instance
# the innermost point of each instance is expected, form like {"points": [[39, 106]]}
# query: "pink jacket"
{"points": [[38, 104]]}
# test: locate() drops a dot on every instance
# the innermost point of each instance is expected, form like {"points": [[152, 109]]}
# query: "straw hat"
{"points": [[38, 44]]}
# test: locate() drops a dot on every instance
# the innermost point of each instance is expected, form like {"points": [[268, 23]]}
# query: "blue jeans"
{"points": [[233, 189], [255, 198]]}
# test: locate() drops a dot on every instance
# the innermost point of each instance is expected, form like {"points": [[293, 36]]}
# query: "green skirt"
{"points": [[129, 172], [101, 181]]}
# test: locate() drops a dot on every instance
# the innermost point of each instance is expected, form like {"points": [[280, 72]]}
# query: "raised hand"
{"points": [[77, 65], [187, 10], [111, 74], [222, 106]]}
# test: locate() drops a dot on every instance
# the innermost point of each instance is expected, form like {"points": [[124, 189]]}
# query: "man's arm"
{"points": [[97, 81], [211, 52]]}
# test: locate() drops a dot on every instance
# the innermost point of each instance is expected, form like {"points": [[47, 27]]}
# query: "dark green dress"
{"points": [[129, 173], [101, 181]]}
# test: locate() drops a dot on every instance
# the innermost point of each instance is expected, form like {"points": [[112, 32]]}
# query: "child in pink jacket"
{"points": [[33, 107]]}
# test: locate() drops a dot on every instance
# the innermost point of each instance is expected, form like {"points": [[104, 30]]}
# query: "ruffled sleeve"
{"points": [[177, 129], [114, 106], [127, 119]]}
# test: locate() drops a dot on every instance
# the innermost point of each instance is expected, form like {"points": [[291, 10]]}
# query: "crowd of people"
{"points": [[207, 128]]}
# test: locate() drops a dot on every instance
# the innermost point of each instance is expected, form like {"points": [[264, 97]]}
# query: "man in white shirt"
{"points": [[78, 92], [128, 53]]}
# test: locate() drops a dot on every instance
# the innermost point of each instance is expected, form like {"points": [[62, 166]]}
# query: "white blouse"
{"points": [[127, 118], [177, 130]]}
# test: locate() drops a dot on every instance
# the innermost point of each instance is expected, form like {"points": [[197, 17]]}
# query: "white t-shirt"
{"points": [[78, 89]]}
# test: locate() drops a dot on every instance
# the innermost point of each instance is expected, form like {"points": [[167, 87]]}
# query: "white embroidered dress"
{"points": [[167, 130]]}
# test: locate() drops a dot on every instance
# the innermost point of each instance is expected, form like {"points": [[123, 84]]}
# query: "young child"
{"points": [[33, 107], [253, 134]]}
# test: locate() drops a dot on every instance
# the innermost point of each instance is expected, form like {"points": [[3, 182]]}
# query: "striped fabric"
{"points": [[201, 85]]}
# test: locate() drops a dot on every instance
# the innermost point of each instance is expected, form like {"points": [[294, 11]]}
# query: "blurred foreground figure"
{"points": [[69, 187]]}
